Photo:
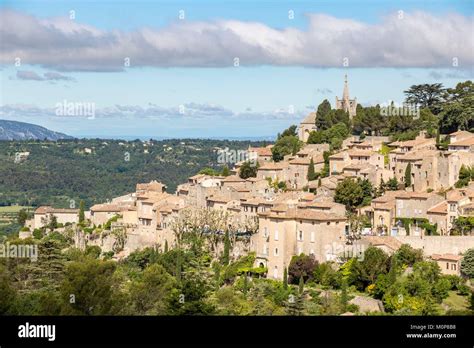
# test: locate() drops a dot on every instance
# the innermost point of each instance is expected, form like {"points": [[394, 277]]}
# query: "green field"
{"points": [[13, 209]]}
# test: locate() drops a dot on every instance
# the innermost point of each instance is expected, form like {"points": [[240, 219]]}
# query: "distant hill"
{"points": [[13, 130], [56, 172]]}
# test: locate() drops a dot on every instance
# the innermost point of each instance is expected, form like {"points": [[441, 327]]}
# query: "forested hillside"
{"points": [[97, 170]]}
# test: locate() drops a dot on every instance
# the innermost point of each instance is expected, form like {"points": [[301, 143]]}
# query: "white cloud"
{"points": [[151, 111], [48, 76], [418, 40]]}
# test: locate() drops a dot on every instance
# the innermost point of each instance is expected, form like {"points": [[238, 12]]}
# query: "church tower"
{"points": [[346, 104]]}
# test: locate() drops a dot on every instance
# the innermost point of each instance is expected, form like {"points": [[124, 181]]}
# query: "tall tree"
{"points": [[323, 115], [426, 96], [311, 173], [350, 193], [408, 176], [285, 278], [248, 170], [81, 212], [22, 216], [467, 263], [225, 171], [290, 131], [285, 146]]}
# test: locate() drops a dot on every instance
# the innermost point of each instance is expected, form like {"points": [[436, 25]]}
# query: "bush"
{"points": [[38, 233], [301, 266]]}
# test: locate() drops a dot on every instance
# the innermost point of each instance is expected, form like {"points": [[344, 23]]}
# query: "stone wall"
{"points": [[439, 244]]}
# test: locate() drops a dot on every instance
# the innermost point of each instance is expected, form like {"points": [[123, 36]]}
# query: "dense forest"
{"points": [[94, 170]]}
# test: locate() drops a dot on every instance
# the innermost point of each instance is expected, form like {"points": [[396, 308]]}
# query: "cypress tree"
{"points": [[311, 173], [225, 171], [408, 176], [301, 286], [166, 246], [285, 278], [81, 212]]}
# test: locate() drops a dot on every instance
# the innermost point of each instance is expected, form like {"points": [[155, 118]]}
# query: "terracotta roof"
{"points": [[419, 155], [387, 241], [302, 214], [320, 205], [261, 151], [387, 196], [411, 143], [440, 208], [309, 214], [354, 166], [464, 142], [106, 208], [339, 155], [233, 178], [219, 199], [274, 166], [448, 257], [301, 161], [456, 195], [361, 153], [413, 195], [461, 132], [50, 210]]}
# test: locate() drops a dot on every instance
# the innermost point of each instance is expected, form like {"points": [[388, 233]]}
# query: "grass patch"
{"points": [[13, 209], [456, 302]]}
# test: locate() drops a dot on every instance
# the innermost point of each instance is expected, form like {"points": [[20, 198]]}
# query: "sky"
{"points": [[225, 69]]}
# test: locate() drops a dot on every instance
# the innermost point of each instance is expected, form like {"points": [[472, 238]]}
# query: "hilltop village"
{"points": [[319, 200]]}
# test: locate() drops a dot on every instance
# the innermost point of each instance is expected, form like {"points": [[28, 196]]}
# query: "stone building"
{"points": [[43, 216], [307, 126], [285, 231]]}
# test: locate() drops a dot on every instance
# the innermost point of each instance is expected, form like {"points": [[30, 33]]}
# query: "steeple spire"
{"points": [[345, 93]]}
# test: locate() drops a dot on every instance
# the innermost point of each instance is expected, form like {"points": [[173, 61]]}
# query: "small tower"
{"points": [[346, 104]]}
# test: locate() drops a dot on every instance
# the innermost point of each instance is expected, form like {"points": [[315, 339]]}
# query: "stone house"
{"points": [[43, 214], [448, 263], [285, 231]]}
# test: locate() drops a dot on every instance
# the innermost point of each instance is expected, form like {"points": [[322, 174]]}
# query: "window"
{"points": [[275, 272], [276, 235], [265, 232], [300, 235], [312, 236], [453, 266], [276, 252], [311, 252], [452, 207], [447, 265]]}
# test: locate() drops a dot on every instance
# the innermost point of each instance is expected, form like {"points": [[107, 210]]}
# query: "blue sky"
{"points": [[182, 82]]}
